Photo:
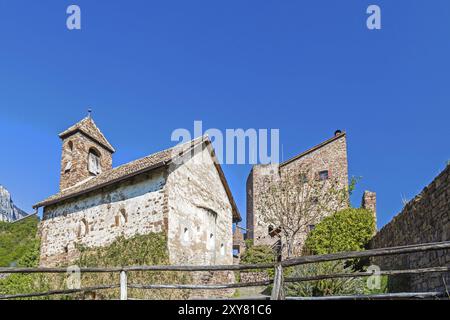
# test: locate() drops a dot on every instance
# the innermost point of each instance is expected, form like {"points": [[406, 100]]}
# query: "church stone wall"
{"points": [[135, 206], [198, 208], [424, 219]]}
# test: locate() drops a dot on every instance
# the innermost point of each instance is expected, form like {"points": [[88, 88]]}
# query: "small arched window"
{"points": [[69, 157], [83, 228], [324, 175], [121, 218], [222, 249], [186, 234], [211, 242], [94, 166]]}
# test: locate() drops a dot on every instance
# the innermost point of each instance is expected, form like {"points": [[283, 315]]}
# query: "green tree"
{"points": [[346, 230]]}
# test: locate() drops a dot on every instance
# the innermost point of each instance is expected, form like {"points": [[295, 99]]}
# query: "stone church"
{"points": [[181, 191], [326, 160]]}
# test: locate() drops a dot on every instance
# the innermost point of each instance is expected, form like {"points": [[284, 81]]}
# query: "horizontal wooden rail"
{"points": [[367, 253], [386, 296], [367, 274], [298, 279], [286, 263], [142, 268], [252, 284], [201, 287], [262, 297], [57, 292], [201, 268]]}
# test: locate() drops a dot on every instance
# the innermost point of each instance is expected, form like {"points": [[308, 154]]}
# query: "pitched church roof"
{"points": [[87, 126], [134, 168]]}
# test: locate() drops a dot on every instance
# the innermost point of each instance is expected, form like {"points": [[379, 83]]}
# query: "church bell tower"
{"points": [[85, 153]]}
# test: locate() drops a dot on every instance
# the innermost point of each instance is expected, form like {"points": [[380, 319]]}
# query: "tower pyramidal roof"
{"points": [[88, 127]]}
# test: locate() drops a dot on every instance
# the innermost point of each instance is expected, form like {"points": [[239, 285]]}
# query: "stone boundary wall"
{"points": [[212, 278], [424, 219], [254, 276]]}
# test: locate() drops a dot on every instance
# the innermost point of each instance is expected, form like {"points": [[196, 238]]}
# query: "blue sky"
{"points": [[304, 67]]}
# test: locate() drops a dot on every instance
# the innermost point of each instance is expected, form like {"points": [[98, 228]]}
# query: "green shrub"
{"points": [[384, 286], [346, 230], [337, 286], [258, 255], [150, 249]]}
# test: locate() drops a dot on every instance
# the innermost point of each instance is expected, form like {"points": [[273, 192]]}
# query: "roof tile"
{"points": [[88, 127]]}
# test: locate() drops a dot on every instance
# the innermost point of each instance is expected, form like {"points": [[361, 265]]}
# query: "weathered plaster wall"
{"points": [[75, 149], [200, 213], [424, 219], [198, 208], [129, 208]]}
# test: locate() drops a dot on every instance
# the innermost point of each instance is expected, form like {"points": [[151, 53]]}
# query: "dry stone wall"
{"points": [[424, 219]]}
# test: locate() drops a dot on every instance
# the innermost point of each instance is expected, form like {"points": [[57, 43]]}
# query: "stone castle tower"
{"points": [[85, 153], [326, 160]]}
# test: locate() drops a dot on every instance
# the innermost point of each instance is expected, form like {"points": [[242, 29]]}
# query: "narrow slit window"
{"points": [[186, 235], [69, 157], [324, 175], [94, 162]]}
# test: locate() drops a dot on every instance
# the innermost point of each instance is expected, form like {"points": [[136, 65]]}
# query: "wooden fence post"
{"points": [[278, 284], [123, 285]]}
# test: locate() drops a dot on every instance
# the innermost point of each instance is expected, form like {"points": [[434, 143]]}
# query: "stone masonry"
{"points": [[78, 140], [424, 219], [129, 208], [329, 156], [369, 202]]}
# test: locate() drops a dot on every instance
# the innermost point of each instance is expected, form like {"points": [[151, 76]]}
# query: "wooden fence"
{"points": [[278, 280]]}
